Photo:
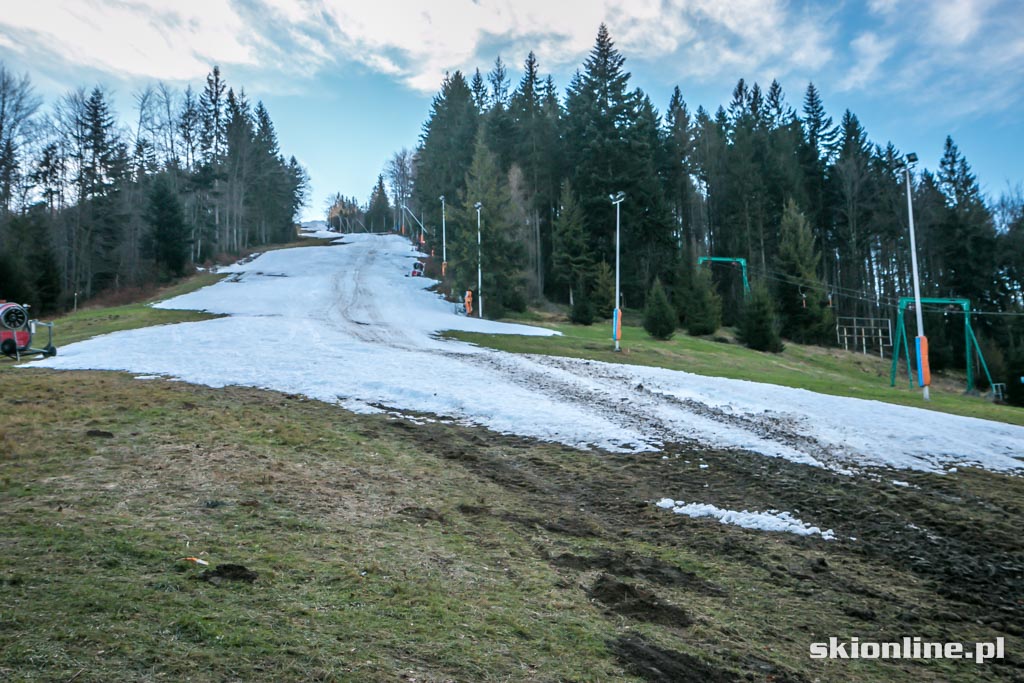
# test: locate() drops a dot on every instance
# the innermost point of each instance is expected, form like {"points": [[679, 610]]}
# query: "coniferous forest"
{"points": [[94, 203], [816, 208]]}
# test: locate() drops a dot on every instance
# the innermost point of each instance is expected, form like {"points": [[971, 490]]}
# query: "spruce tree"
{"points": [[759, 325], [703, 306], [604, 291], [803, 318], [572, 264], [378, 214], [659, 316], [502, 256], [168, 232], [582, 312]]}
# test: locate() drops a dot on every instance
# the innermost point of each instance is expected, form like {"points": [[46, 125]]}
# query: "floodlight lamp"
{"points": [[911, 158], [441, 198], [617, 197], [478, 206]]}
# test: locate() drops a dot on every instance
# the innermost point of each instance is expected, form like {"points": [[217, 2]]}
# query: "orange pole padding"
{"points": [[469, 302], [924, 372]]}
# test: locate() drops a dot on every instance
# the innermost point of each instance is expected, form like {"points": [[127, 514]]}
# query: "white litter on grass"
{"points": [[897, 482], [772, 520], [346, 325]]}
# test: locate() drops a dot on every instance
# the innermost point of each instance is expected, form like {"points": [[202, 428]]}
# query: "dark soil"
{"points": [[637, 603], [229, 572], [659, 665]]}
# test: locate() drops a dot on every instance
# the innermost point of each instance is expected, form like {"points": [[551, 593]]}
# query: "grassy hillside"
{"points": [[388, 550], [828, 371]]}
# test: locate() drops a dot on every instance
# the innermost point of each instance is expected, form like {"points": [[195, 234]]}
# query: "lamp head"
{"points": [[478, 206], [617, 197], [911, 158], [442, 199]]}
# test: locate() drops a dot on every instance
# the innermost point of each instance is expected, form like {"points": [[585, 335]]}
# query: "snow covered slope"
{"points": [[343, 323]]}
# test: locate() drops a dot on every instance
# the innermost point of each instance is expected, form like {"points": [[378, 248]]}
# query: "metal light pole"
{"points": [[923, 372], [479, 271], [617, 315], [444, 241], [423, 230]]}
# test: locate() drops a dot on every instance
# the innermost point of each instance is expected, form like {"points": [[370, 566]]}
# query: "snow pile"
{"points": [[345, 323], [772, 520], [317, 229]]}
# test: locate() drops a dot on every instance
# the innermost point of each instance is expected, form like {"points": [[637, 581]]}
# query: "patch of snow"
{"points": [[771, 520], [343, 324], [897, 482]]}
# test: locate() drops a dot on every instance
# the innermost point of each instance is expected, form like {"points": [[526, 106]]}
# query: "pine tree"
{"points": [[759, 325], [446, 149], [168, 232], [803, 319], [659, 316], [582, 312], [502, 257], [967, 233], [572, 265], [378, 213], [703, 306], [603, 298]]}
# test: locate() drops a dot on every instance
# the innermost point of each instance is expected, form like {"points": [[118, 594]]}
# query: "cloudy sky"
{"points": [[349, 82]]}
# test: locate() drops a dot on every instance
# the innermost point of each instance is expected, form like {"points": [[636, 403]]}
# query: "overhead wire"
{"points": [[881, 301]]}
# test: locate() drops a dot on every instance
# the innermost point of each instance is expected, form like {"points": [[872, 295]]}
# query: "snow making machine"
{"points": [[16, 331]]}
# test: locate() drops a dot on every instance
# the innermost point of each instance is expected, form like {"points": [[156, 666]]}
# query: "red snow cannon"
{"points": [[16, 332]]}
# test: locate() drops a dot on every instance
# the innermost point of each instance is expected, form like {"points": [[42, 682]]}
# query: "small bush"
{"points": [[1015, 380], [759, 325], [582, 312], [659, 316], [704, 306]]}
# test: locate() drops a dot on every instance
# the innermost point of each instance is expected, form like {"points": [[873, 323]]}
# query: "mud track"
{"points": [[958, 536]]}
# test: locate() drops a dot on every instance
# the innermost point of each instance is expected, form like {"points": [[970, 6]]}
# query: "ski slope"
{"points": [[343, 323]]}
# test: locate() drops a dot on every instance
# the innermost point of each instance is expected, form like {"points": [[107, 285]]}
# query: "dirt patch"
{"points": [[659, 665], [425, 514], [229, 572], [639, 567], [636, 602]]}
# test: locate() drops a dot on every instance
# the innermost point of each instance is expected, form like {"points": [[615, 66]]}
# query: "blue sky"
{"points": [[348, 82]]}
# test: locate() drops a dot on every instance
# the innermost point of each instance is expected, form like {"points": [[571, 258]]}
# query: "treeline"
{"points": [[817, 210], [89, 204]]}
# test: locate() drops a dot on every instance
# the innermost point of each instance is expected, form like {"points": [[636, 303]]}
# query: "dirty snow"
{"points": [[772, 520], [343, 323]]}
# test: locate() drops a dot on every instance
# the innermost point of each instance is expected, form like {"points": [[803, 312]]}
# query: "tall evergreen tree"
{"points": [[169, 233], [800, 293], [502, 257], [378, 213], [572, 265]]}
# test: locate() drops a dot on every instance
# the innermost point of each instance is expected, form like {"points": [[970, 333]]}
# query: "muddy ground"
{"points": [[941, 558], [104, 475]]}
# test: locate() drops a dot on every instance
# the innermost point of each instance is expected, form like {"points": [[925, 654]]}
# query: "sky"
{"points": [[348, 83]]}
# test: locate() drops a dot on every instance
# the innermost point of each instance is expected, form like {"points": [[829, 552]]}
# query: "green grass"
{"points": [[92, 321], [827, 371], [389, 551]]}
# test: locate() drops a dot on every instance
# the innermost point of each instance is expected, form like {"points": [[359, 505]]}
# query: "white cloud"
{"points": [[150, 38], [954, 22], [870, 53], [411, 42]]}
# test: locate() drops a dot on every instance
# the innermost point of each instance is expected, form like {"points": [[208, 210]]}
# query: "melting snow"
{"points": [[772, 520], [345, 323]]}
